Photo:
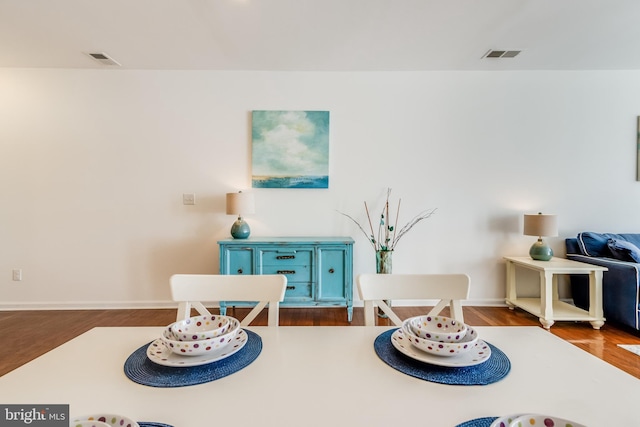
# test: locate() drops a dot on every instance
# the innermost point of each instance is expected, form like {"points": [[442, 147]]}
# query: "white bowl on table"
{"points": [[86, 423], [537, 420], [201, 327], [199, 347], [437, 328], [445, 349], [112, 420]]}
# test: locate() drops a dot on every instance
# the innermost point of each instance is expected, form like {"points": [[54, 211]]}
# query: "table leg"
{"points": [[511, 284], [546, 299], [546, 323], [595, 299]]}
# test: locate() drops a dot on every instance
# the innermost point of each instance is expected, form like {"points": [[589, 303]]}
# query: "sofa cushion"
{"points": [[624, 250], [595, 244], [630, 237]]}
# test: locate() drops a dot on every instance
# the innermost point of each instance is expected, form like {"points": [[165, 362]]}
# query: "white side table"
{"points": [[548, 307]]}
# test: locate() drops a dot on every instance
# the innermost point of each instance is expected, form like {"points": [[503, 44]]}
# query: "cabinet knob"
{"points": [[331, 270], [239, 271]]}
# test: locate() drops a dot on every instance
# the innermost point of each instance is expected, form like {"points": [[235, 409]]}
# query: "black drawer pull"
{"points": [[239, 271], [286, 272], [331, 270], [290, 288], [286, 257]]}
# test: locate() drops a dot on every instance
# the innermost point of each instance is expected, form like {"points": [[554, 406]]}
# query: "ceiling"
{"points": [[322, 35]]}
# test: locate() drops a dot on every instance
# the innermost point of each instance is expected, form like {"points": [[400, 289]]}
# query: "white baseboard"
{"points": [[132, 305]]}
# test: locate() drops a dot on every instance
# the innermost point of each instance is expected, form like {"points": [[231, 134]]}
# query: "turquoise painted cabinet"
{"points": [[319, 270]]}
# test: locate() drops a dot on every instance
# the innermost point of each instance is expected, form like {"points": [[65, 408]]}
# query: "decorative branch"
{"points": [[388, 235]]}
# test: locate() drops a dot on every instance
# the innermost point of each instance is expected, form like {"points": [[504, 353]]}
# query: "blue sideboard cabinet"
{"points": [[319, 270]]}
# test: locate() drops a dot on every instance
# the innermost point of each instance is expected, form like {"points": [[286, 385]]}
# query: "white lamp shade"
{"points": [[540, 225], [240, 203]]}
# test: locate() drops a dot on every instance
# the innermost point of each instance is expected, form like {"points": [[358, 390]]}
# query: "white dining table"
{"points": [[328, 376]]}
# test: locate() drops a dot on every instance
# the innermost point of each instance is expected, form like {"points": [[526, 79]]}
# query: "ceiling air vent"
{"points": [[104, 59], [501, 54]]}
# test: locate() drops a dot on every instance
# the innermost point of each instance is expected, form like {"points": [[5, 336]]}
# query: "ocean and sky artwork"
{"points": [[290, 149]]}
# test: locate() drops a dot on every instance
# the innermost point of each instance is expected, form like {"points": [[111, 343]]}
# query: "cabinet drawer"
{"points": [[297, 291], [287, 257], [294, 273]]}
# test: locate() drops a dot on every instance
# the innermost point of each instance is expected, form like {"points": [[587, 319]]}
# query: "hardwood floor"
{"points": [[29, 334]]}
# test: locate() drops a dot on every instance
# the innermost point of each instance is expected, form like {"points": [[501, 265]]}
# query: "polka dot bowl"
{"points": [[87, 423], [437, 328], [445, 349], [103, 419], [200, 327], [199, 347], [534, 420]]}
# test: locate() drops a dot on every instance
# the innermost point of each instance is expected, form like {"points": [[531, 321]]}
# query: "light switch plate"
{"points": [[188, 199]]}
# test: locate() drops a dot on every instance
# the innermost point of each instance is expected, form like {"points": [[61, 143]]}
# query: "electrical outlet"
{"points": [[188, 199], [17, 274]]}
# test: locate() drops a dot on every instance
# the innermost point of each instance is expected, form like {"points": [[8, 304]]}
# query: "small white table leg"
{"points": [[546, 323], [511, 284], [546, 299], [595, 299]]}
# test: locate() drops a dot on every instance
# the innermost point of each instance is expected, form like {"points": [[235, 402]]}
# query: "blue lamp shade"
{"points": [[240, 204], [542, 226]]}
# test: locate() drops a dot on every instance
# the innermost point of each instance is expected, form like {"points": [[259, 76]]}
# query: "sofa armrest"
{"points": [[631, 269]]}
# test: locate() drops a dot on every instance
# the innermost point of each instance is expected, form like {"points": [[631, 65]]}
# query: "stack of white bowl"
{"points": [[102, 420], [532, 420], [200, 334], [439, 335]]}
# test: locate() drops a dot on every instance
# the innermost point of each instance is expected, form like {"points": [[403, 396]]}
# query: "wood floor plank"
{"points": [[33, 333]]}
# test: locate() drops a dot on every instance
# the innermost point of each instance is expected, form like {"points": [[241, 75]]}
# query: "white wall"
{"points": [[93, 164]]}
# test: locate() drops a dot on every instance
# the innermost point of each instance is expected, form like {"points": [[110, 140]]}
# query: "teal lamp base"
{"points": [[540, 251], [240, 229]]}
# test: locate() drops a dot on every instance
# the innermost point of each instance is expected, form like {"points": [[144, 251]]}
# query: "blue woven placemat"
{"points": [[491, 371], [140, 369], [478, 422]]}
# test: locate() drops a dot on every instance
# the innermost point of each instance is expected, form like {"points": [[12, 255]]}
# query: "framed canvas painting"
{"points": [[290, 149]]}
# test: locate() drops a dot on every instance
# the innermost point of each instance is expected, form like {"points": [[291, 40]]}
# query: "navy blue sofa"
{"points": [[620, 285]]}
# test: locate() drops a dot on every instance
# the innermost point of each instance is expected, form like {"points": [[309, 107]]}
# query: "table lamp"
{"points": [[542, 226], [240, 204]]}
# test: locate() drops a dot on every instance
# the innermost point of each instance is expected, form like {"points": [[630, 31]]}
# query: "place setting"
{"points": [[442, 350], [111, 420], [193, 351], [521, 420]]}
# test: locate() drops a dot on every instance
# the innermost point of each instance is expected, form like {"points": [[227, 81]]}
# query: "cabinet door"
{"points": [[331, 272], [237, 261]]}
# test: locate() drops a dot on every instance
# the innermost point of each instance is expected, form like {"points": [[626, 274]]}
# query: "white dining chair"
{"points": [[191, 290], [447, 289]]}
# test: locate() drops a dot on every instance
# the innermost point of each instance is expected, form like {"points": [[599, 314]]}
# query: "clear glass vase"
{"points": [[384, 265], [384, 262]]}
